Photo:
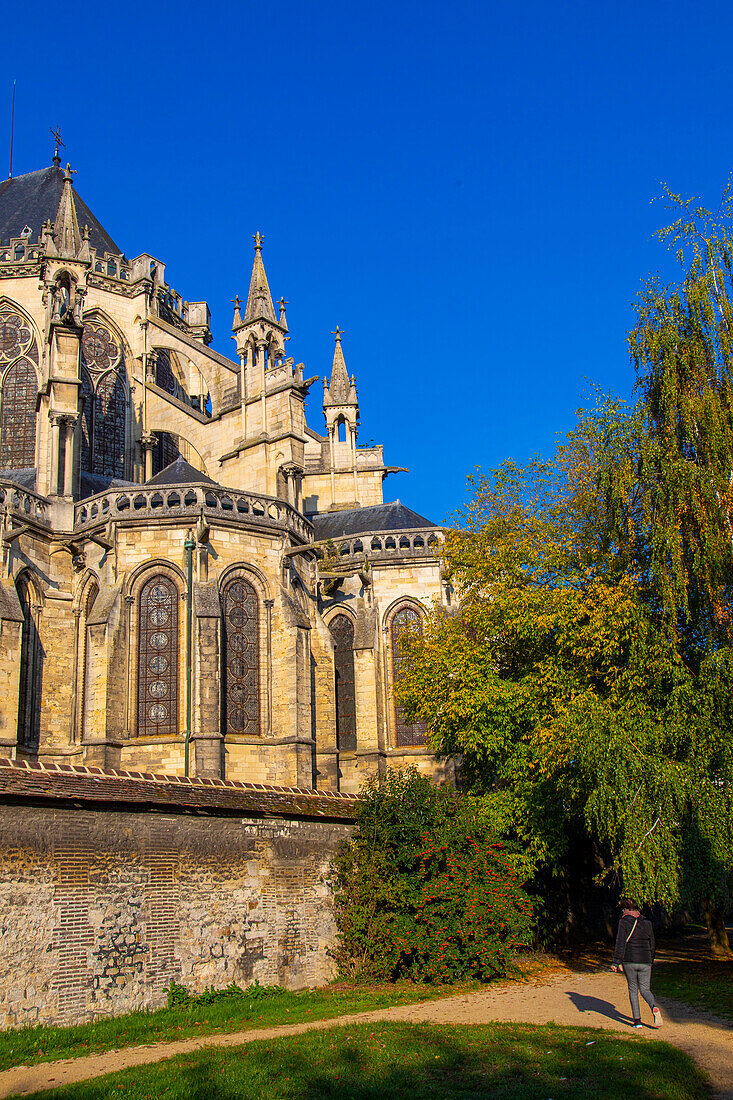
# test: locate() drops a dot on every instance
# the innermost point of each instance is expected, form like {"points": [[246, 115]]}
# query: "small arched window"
{"points": [[82, 676], [407, 620], [157, 688], [241, 654], [31, 667], [342, 632]]}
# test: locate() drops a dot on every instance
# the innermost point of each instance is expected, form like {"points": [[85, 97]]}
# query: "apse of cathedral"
{"points": [[195, 580]]}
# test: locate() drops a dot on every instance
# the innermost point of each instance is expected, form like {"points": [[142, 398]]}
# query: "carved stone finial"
{"points": [[258, 239], [338, 333]]}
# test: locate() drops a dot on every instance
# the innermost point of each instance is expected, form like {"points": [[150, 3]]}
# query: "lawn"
{"points": [[703, 983], [390, 1061], [27, 1046]]}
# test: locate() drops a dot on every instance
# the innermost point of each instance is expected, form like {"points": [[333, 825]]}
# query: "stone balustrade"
{"points": [[188, 501], [23, 502], [415, 543]]}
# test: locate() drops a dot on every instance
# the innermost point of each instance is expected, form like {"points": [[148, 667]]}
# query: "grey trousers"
{"points": [[638, 976]]}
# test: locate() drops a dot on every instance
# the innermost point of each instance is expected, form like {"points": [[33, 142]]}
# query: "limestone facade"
{"points": [[194, 579]]}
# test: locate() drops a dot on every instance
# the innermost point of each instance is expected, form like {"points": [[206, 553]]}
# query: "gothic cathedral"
{"points": [[195, 581]]}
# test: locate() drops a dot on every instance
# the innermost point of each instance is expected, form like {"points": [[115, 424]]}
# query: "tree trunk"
{"points": [[717, 932]]}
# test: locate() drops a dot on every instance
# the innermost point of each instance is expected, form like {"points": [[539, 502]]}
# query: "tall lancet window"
{"points": [[342, 632], [104, 388], [18, 362], [157, 681], [406, 620], [241, 652], [31, 666]]}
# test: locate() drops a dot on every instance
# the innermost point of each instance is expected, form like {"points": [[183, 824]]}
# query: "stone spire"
{"points": [[66, 230], [259, 300], [338, 393]]}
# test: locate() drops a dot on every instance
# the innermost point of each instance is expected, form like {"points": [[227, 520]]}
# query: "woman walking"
{"points": [[634, 953]]}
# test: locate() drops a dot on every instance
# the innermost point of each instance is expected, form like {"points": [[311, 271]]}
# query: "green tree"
{"points": [[573, 681]]}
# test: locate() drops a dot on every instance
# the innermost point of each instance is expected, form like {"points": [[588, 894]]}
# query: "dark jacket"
{"points": [[641, 946]]}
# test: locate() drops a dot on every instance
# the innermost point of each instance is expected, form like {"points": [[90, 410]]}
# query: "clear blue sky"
{"points": [[465, 188]]}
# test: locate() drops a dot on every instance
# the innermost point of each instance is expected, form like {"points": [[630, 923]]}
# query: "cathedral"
{"points": [[195, 582]]}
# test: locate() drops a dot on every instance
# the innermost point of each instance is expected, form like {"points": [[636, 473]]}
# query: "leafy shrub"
{"points": [[179, 995], [425, 889]]}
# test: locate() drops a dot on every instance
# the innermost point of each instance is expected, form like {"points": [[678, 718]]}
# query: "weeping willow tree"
{"points": [[682, 347]]}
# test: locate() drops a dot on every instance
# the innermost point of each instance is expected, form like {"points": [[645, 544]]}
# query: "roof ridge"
{"points": [[95, 772]]}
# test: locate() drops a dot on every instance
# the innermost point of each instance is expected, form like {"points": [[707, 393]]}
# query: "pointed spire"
{"points": [[283, 320], [66, 230], [339, 388], [259, 300], [236, 323]]}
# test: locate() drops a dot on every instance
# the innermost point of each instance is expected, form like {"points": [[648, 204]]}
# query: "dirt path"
{"points": [[590, 1000]]}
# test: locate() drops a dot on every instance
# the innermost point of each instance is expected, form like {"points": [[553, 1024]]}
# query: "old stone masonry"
{"points": [[195, 583]]}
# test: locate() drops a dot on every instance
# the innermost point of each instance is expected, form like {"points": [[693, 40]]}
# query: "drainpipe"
{"points": [[189, 546]]}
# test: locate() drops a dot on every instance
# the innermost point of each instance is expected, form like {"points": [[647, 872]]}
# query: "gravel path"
{"points": [[588, 1000]]}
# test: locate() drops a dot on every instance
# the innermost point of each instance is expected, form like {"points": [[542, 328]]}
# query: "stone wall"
{"points": [[114, 885]]}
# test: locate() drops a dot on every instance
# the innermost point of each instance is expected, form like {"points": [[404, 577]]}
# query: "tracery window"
{"points": [[105, 391], [31, 667], [157, 688], [18, 353], [406, 620], [241, 652], [342, 632]]}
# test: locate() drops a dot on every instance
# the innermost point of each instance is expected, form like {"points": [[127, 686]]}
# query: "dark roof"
{"points": [[91, 484], [34, 198], [25, 477], [28, 780], [393, 516], [181, 472]]}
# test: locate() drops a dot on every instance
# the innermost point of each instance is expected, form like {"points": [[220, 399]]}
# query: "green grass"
{"points": [[705, 983], [27, 1046], [390, 1061]]}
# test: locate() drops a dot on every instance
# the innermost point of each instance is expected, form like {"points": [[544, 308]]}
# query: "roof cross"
{"points": [[56, 135], [338, 334]]}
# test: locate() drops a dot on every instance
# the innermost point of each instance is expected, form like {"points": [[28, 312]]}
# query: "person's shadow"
{"points": [[584, 1003]]}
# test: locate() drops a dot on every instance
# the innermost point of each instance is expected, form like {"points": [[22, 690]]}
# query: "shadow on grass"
{"points": [[387, 1061]]}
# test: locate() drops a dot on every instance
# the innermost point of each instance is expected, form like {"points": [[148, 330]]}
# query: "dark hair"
{"points": [[628, 903]]}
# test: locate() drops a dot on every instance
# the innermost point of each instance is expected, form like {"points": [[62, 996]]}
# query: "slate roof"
{"points": [[181, 472], [25, 477], [393, 516], [28, 780], [34, 198]]}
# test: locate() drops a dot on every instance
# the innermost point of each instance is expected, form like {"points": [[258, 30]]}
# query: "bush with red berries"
{"points": [[424, 889]]}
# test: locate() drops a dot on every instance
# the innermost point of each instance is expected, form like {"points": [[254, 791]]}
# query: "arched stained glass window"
{"points": [[157, 688], [18, 352], [342, 632], [241, 653], [87, 393], [105, 408], [406, 620], [31, 668], [109, 425]]}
